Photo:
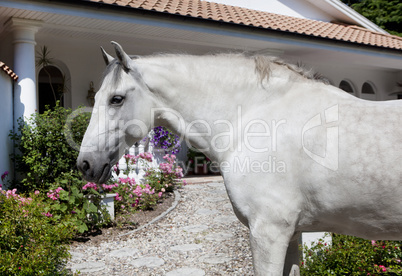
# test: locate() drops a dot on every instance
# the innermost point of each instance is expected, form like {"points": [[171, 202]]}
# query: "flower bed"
{"points": [[132, 196], [349, 255]]}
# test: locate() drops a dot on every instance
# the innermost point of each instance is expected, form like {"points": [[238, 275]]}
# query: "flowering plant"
{"points": [[349, 255], [3, 176], [32, 242], [166, 176], [132, 196], [83, 204], [165, 140]]}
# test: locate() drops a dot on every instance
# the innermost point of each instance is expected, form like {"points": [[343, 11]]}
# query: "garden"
{"points": [[49, 205]]}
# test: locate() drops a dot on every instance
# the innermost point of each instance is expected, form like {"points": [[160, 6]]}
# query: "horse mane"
{"points": [[263, 66]]}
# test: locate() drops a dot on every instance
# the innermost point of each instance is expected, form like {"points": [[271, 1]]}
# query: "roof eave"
{"points": [[352, 16]]}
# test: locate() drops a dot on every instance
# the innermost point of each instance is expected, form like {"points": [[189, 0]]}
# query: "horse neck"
{"points": [[199, 89], [208, 93]]}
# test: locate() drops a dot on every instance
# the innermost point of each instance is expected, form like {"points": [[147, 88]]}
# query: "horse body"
{"points": [[296, 154]]}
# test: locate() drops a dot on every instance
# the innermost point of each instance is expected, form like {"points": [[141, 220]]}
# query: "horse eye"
{"points": [[116, 100]]}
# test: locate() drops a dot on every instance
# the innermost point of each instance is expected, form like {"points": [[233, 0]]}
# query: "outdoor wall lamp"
{"points": [[91, 94]]}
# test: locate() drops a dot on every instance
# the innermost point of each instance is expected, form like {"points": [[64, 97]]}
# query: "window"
{"points": [[346, 86], [50, 87], [368, 91]]}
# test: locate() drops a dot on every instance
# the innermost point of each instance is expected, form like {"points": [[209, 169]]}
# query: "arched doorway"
{"points": [[51, 87]]}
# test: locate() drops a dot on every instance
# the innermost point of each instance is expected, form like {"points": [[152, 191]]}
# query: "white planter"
{"points": [[108, 201]]}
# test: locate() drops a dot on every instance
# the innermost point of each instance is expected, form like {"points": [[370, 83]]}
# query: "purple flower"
{"points": [[4, 175], [164, 139]]}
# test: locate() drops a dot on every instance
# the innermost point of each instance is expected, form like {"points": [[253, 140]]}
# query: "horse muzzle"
{"points": [[92, 170]]}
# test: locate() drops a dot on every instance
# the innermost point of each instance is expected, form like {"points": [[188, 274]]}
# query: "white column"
{"points": [[24, 65]]}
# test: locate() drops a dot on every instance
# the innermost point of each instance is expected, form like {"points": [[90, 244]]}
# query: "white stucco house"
{"points": [[352, 52]]}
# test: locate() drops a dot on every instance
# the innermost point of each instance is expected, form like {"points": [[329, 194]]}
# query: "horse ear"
{"points": [[122, 56], [107, 58]]}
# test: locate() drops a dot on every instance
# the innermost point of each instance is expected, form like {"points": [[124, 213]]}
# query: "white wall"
{"points": [[84, 62], [383, 80], [6, 122]]}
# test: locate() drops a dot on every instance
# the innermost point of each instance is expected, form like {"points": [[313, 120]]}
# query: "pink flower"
{"points": [[383, 268], [11, 193], [90, 185], [127, 180], [108, 188], [160, 194], [49, 215], [146, 156], [37, 192], [118, 197]]}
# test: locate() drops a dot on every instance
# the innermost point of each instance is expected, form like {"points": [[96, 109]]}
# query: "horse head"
{"points": [[121, 117]]}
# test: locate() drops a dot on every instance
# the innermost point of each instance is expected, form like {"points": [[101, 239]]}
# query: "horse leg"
{"points": [[292, 260], [269, 245]]}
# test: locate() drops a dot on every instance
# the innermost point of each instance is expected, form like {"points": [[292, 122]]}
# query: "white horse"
{"points": [[296, 153]]}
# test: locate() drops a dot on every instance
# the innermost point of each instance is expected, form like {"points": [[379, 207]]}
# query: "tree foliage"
{"points": [[387, 14]]}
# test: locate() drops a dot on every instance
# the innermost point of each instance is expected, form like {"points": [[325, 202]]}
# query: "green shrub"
{"points": [[43, 153], [70, 197], [47, 163], [349, 255], [32, 241]]}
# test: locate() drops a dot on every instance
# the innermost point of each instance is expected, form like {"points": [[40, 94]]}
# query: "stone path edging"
{"points": [[171, 208]]}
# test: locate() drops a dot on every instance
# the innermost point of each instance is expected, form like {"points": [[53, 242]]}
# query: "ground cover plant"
{"points": [[348, 255]]}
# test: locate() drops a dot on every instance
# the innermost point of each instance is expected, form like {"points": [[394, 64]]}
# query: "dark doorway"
{"points": [[51, 87]]}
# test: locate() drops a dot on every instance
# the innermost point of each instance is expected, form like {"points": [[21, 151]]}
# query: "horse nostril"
{"points": [[85, 166]]}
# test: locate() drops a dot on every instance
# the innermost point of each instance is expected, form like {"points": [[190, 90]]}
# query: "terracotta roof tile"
{"points": [[8, 71], [237, 15]]}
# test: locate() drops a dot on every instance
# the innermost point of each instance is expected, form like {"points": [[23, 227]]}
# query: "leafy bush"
{"points": [[353, 256], [47, 163], [32, 242], [75, 200], [43, 153]]}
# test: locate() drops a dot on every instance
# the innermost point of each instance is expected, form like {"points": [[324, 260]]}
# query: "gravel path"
{"points": [[201, 236]]}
